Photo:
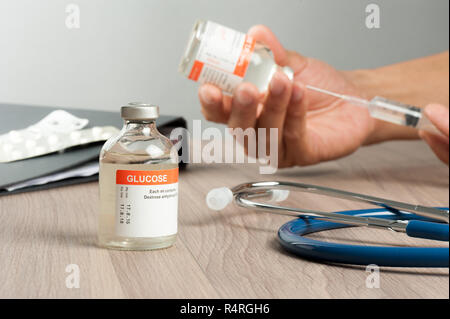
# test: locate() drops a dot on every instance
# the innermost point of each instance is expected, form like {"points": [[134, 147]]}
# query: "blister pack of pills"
{"points": [[56, 132]]}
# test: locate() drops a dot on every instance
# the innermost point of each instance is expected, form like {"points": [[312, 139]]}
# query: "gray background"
{"points": [[129, 50]]}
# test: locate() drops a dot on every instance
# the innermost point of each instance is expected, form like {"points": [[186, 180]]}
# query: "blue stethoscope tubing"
{"points": [[291, 236]]}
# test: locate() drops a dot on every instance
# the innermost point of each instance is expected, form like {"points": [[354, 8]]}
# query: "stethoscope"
{"points": [[415, 221]]}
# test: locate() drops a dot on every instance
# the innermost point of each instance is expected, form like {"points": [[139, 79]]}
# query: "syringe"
{"points": [[387, 110]]}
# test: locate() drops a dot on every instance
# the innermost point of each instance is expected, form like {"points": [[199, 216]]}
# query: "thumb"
{"points": [[439, 116], [264, 35], [282, 57]]}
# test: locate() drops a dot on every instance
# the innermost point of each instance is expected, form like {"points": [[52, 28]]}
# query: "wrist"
{"points": [[373, 82], [364, 82]]}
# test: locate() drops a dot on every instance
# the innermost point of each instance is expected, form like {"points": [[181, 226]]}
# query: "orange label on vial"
{"points": [[196, 70], [160, 177], [244, 58]]}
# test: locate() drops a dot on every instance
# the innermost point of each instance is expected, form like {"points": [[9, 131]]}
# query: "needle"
{"points": [[324, 91]]}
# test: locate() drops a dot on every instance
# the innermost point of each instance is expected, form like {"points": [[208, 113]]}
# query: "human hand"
{"points": [[439, 116], [312, 127]]}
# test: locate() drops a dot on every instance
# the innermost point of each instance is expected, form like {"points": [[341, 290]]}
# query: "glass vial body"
{"points": [[138, 184], [225, 57]]}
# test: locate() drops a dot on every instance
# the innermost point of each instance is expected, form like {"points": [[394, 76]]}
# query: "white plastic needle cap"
{"points": [[219, 198], [279, 195]]}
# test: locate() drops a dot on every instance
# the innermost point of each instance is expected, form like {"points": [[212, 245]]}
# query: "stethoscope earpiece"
{"points": [[219, 198]]}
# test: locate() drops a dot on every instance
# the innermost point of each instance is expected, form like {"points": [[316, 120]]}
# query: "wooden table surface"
{"points": [[231, 254]]}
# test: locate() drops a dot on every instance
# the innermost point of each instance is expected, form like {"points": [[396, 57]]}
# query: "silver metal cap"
{"points": [[139, 111]]}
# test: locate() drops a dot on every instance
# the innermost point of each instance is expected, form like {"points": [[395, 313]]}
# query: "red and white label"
{"points": [[223, 57], [147, 203]]}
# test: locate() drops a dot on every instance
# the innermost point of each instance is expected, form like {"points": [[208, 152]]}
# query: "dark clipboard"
{"points": [[15, 117]]}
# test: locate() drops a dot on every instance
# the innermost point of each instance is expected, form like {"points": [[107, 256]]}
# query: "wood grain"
{"points": [[231, 254]]}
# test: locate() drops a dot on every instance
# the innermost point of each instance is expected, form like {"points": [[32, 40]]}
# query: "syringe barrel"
{"points": [[401, 114], [387, 110]]}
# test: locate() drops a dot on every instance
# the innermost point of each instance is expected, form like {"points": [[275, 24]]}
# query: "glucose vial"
{"points": [[138, 184], [225, 57]]}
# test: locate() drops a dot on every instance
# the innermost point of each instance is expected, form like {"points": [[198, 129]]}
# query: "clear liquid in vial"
{"points": [[107, 217]]}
